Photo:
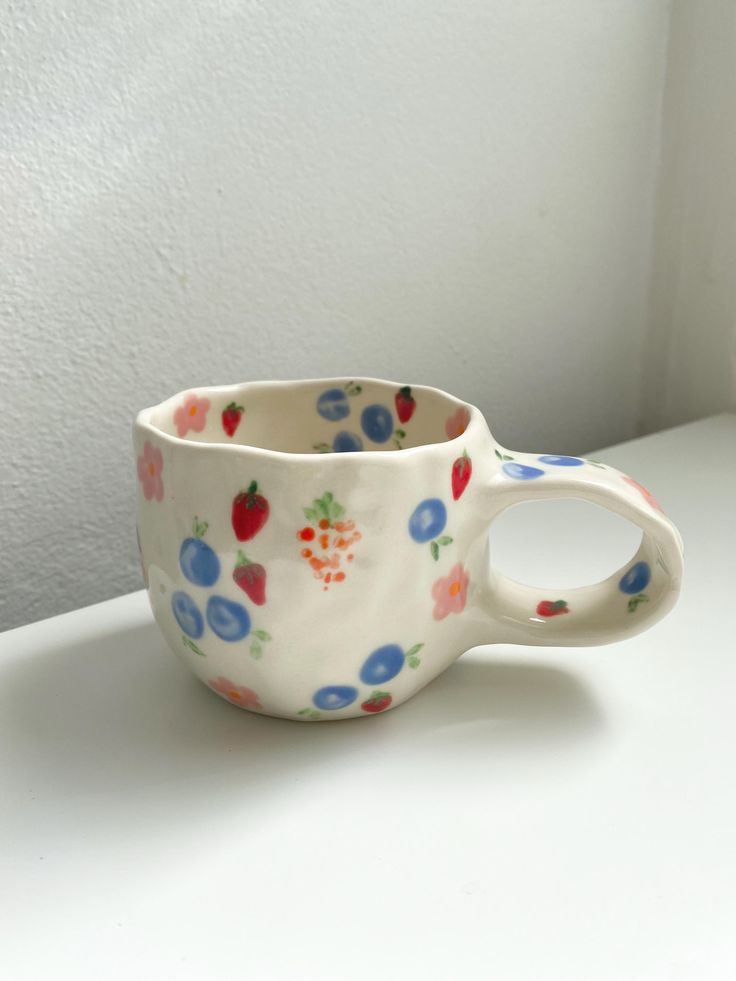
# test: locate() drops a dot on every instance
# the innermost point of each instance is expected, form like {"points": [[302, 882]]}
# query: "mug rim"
{"points": [[143, 420]]}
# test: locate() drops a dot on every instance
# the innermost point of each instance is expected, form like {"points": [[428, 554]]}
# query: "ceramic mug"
{"points": [[319, 549]]}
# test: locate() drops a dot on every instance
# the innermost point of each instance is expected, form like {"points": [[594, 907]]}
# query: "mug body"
{"points": [[315, 550]]}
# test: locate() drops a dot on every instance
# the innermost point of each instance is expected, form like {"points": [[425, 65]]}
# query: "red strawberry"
{"points": [[231, 417], [251, 577], [548, 608], [462, 468], [249, 513], [378, 701], [405, 404]]}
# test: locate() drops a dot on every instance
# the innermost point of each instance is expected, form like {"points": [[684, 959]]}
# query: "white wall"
{"points": [[691, 353], [457, 193]]}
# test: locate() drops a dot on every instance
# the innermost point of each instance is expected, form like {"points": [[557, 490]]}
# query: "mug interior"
{"points": [[318, 416]]}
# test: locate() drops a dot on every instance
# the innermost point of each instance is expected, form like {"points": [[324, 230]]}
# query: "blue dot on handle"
{"points": [[377, 423], [346, 442], [520, 471], [333, 404], [229, 620], [635, 579], [187, 614], [562, 461], [335, 697]]}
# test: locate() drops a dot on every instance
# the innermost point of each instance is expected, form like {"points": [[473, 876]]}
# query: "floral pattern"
{"points": [[450, 593], [192, 415], [457, 423], [150, 468], [235, 694]]}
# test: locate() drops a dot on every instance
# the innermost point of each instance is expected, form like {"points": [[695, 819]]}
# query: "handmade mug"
{"points": [[319, 549]]}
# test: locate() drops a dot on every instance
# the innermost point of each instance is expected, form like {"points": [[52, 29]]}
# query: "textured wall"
{"points": [[691, 354], [457, 193]]}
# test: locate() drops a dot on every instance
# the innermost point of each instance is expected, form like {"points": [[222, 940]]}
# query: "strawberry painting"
{"points": [[552, 608], [251, 578], [405, 404], [249, 513], [231, 417], [378, 702], [462, 470]]}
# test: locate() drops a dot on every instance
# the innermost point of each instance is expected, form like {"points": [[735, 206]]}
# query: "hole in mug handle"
{"points": [[630, 600]]}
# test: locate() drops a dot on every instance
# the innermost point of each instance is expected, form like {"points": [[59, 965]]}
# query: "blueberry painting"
{"points": [[635, 579], [428, 520], [198, 561], [382, 665], [187, 614], [562, 461], [229, 620], [333, 405], [377, 423], [346, 442], [520, 471], [335, 697]]}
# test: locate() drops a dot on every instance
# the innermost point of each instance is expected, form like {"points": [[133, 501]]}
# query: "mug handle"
{"points": [[629, 601]]}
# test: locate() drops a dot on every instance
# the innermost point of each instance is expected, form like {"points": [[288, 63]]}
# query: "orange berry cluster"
{"points": [[330, 542]]}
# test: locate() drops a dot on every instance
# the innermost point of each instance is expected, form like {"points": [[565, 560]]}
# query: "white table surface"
{"points": [[533, 814]]}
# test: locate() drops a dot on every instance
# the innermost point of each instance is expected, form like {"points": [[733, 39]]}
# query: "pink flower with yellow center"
{"points": [[237, 694], [457, 423], [450, 593], [150, 465], [192, 415]]}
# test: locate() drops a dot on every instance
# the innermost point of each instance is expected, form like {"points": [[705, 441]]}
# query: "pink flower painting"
{"points": [[150, 466], [450, 593]]}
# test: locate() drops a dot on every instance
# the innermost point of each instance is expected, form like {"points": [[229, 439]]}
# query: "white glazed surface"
{"points": [[312, 634]]}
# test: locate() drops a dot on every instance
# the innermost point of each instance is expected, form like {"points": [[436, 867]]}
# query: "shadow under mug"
{"points": [[319, 549]]}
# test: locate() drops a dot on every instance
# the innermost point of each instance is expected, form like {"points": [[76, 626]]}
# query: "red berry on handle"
{"points": [[552, 608]]}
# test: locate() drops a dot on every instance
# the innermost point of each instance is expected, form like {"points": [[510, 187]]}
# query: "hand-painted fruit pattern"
{"points": [[382, 665], [426, 524], [378, 702], [405, 404], [327, 542], [552, 608], [525, 471], [328, 539], [249, 513], [187, 614], [197, 560], [633, 583], [231, 416], [377, 423], [462, 471], [251, 578], [228, 619], [333, 404], [376, 420]]}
